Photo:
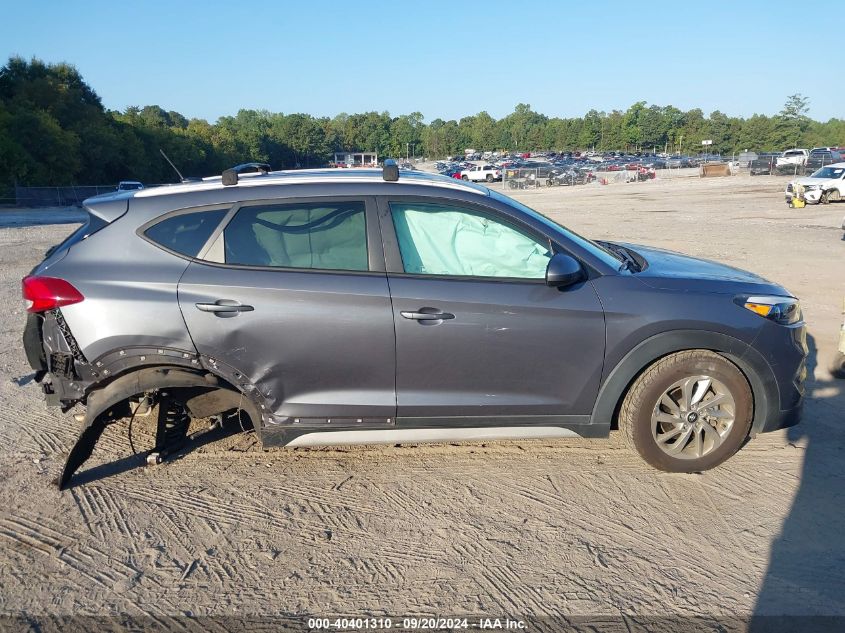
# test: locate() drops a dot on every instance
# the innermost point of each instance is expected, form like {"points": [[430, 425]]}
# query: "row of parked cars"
{"points": [[559, 170], [795, 161]]}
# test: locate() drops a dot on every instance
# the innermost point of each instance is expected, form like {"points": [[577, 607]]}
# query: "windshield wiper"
{"points": [[629, 262]]}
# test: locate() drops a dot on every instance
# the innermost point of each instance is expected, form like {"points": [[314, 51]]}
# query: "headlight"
{"points": [[810, 187], [783, 310]]}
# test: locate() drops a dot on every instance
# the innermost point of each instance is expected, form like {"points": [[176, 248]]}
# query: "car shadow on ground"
{"points": [[231, 425], [806, 570]]}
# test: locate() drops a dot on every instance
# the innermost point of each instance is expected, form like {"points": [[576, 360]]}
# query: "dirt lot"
{"points": [[520, 529]]}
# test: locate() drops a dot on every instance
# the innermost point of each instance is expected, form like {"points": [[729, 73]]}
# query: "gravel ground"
{"points": [[520, 529]]}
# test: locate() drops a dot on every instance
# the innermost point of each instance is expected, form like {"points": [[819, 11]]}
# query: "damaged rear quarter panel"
{"points": [[125, 303]]}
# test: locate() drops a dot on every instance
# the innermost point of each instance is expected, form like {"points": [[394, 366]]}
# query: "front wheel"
{"points": [[688, 412], [837, 367], [464, 178], [489, 178]]}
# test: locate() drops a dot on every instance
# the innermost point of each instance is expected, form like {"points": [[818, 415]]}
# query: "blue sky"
{"points": [[444, 59]]}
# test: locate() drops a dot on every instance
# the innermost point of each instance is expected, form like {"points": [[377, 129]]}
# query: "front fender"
{"points": [[751, 363]]}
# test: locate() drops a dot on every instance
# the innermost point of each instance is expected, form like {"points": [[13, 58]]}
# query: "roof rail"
{"points": [[390, 171], [230, 176]]}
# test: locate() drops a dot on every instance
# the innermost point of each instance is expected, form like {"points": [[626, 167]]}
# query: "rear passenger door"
{"points": [[292, 298]]}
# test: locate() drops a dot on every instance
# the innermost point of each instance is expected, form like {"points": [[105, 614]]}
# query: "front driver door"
{"points": [[481, 340]]}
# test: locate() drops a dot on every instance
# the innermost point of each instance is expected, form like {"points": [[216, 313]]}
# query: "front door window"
{"points": [[445, 240]]}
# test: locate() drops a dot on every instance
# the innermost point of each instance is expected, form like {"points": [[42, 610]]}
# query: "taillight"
{"points": [[48, 293]]}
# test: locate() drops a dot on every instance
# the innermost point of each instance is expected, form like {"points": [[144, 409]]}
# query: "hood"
{"points": [[673, 271], [806, 181]]}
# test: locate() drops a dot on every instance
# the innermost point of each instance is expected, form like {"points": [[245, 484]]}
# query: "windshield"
{"points": [[829, 172], [605, 255]]}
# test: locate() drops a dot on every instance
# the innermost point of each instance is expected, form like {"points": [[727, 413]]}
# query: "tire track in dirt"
{"points": [[201, 506], [86, 510], [331, 497], [644, 543], [105, 512], [98, 567], [114, 510]]}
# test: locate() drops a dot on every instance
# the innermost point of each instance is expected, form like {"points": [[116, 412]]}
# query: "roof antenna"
{"points": [[179, 173]]}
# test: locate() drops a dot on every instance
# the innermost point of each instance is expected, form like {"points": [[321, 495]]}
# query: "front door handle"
{"points": [[224, 306], [427, 314]]}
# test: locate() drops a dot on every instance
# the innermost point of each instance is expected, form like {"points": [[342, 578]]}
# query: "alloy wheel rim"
{"points": [[693, 417]]}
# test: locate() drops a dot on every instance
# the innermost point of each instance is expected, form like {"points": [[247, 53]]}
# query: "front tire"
{"points": [[489, 178], [837, 367], [688, 412]]}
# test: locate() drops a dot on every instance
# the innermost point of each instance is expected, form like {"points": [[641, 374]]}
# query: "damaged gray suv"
{"points": [[368, 306]]}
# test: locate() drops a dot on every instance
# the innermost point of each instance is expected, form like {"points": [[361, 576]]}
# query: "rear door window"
{"points": [[185, 233], [323, 235]]}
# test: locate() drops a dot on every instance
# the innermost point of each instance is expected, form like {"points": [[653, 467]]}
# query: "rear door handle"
{"points": [[427, 314], [224, 306]]}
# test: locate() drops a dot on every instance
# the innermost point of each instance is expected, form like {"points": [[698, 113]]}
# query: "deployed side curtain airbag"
{"points": [[438, 240], [299, 236]]}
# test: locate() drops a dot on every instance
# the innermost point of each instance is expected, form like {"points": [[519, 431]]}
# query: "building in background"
{"points": [[356, 159]]}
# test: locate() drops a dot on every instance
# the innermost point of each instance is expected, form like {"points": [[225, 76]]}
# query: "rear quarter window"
{"points": [[91, 226], [185, 233]]}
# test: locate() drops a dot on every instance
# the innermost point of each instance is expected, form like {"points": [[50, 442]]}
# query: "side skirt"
{"points": [[420, 430]]}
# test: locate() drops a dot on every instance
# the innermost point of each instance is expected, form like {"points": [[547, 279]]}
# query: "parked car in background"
{"points": [[763, 164], [675, 162], [793, 158], [824, 185], [129, 185], [818, 158], [482, 173]]}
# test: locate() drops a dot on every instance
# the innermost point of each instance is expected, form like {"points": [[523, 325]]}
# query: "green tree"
{"points": [[55, 131], [793, 120]]}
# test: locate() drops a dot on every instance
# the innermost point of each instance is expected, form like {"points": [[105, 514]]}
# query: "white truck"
{"points": [[480, 173], [793, 157]]}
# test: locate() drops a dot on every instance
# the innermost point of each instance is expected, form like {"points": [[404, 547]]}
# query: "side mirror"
{"points": [[564, 271]]}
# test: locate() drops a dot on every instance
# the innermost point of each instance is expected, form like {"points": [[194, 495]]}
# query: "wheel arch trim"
{"points": [[750, 362], [104, 402]]}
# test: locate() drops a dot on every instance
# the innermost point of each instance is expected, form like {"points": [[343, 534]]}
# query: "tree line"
{"points": [[54, 130]]}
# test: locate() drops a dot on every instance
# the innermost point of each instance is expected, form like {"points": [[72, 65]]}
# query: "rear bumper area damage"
{"points": [[59, 365], [115, 385]]}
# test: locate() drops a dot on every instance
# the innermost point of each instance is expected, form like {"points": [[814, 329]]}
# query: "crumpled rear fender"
{"points": [[203, 394]]}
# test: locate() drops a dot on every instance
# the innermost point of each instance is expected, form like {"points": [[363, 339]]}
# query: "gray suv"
{"points": [[357, 306]]}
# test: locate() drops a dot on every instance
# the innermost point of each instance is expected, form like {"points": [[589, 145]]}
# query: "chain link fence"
{"points": [[58, 196], [521, 178], [536, 177]]}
